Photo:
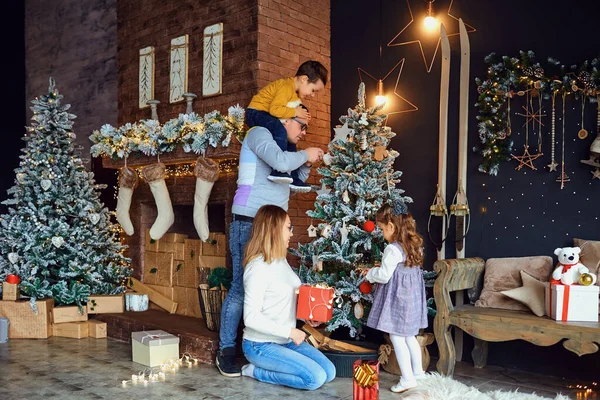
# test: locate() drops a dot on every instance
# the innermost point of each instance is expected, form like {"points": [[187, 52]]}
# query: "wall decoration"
{"points": [[146, 76], [510, 76], [412, 33], [213, 57], [527, 159], [178, 76]]}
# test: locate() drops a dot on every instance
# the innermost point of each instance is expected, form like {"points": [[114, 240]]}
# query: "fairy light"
{"points": [[159, 374]]}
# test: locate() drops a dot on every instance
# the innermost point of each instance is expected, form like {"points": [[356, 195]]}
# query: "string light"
{"points": [[159, 374]]}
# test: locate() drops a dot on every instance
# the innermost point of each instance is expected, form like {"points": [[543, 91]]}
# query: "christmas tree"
{"points": [[357, 179], [57, 236]]}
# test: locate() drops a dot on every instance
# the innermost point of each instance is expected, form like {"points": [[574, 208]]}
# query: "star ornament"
{"points": [[428, 40], [527, 159], [342, 133], [532, 294]]}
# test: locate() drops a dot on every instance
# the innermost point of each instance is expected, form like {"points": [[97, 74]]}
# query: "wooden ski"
{"points": [[443, 131]]}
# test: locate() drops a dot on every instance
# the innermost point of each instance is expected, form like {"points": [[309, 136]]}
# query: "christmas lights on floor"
{"points": [[159, 374]]}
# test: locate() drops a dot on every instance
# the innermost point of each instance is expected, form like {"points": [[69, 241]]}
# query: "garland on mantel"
{"points": [[512, 76], [193, 132]]}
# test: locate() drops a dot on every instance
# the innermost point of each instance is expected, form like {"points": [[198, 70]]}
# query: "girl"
{"points": [[274, 347], [399, 307]]}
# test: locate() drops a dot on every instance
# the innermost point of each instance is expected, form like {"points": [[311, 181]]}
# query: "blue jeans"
{"points": [[233, 306], [298, 367], [274, 125]]}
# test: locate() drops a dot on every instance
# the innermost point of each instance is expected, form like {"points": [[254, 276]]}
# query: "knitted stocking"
{"points": [[155, 176], [128, 181], [207, 173]]}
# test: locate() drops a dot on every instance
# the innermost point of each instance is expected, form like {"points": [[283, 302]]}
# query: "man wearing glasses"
{"points": [[259, 155]]}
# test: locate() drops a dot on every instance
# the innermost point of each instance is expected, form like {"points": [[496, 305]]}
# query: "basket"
{"points": [[211, 301]]}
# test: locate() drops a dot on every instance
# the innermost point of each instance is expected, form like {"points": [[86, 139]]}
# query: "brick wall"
{"points": [[263, 40], [75, 42]]}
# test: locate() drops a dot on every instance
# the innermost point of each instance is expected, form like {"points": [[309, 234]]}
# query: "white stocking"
{"points": [[404, 359], [416, 355], [155, 176], [207, 173], [128, 181]]}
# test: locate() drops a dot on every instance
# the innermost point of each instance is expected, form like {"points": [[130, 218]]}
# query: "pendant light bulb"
{"points": [[380, 98], [430, 21]]}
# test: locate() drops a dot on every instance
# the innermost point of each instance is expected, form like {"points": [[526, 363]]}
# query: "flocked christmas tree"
{"points": [[357, 179], [57, 236]]}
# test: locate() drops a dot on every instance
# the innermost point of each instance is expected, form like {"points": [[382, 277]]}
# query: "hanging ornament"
{"points": [[529, 71], [380, 153], [21, 177], [363, 143], [326, 231], [45, 184], [369, 226], [563, 176], [94, 218], [582, 134], [342, 133], [359, 310], [58, 241], [13, 257], [13, 279], [312, 231], [317, 264], [553, 164], [344, 232], [365, 287], [327, 159], [346, 197]]}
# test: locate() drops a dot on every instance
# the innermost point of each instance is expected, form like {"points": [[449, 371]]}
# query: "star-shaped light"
{"points": [[400, 64], [596, 173], [412, 33], [343, 132]]}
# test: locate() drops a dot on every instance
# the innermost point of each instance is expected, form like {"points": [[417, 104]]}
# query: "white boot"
{"points": [[207, 173], [128, 181], [155, 176]]}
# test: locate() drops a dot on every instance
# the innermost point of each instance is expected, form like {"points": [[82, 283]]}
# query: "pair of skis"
{"points": [[460, 206]]}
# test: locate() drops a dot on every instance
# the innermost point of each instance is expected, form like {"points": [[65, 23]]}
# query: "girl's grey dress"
{"points": [[399, 306]]}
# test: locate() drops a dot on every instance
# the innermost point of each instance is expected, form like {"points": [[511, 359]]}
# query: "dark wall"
{"points": [[527, 212]]}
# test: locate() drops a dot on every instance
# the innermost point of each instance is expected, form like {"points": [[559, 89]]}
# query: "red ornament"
{"points": [[14, 279], [365, 287], [369, 226]]}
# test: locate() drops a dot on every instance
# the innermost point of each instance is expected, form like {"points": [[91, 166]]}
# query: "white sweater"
{"points": [[269, 300], [392, 255]]}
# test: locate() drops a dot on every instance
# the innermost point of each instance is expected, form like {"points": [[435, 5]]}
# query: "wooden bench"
{"points": [[495, 325]]}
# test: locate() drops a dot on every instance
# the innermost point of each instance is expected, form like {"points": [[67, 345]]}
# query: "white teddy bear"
{"points": [[569, 269]]}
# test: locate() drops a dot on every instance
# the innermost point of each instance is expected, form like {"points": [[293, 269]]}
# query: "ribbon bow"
{"points": [[365, 376], [151, 336]]}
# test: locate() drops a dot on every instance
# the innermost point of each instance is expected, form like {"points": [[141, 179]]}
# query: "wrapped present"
{"points": [[105, 304], [215, 245], [10, 291], [322, 342], [96, 329], [572, 302], [64, 314], [75, 330], [365, 380], [315, 303], [25, 323], [153, 348], [158, 268]]}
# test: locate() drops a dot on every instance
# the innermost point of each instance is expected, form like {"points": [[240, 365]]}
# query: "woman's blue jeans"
{"points": [[298, 367]]}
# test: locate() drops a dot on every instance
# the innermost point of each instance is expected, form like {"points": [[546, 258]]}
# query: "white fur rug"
{"points": [[438, 387]]}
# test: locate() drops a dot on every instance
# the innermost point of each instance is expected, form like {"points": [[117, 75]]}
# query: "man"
{"points": [[259, 155]]}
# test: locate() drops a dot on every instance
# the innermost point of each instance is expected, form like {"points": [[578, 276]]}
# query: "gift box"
{"points": [[96, 329], [25, 323], [105, 304], [158, 268], [215, 245], [64, 314], [153, 348], [75, 330], [10, 291], [315, 303], [572, 302], [365, 380]]}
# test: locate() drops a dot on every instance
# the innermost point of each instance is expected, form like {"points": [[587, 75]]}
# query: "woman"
{"points": [[274, 347]]}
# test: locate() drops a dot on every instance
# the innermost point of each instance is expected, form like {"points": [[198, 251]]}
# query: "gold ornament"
{"points": [[537, 84], [365, 375], [586, 279], [582, 134]]}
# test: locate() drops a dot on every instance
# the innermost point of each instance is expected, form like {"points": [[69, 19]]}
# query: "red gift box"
{"points": [[365, 380], [314, 303]]}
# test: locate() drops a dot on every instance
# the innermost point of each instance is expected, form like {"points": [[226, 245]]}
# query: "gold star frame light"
{"points": [[415, 32]]}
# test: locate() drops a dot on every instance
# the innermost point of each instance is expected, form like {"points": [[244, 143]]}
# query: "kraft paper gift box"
{"points": [[153, 348], [572, 302], [315, 303], [365, 380]]}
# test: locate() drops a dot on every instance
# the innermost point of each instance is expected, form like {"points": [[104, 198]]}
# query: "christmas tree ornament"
{"points": [[366, 287], [326, 231], [58, 241], [343, 133], [327, 159], [324, 190], [527, 159], [13, 279], [363, 143], [128, 181], [586, 279], [154, 175], [45, 184], [380, 153], [345, 197], [312, 231], [94, 218], [207, 173], [317, 264], [369, 226], [359, 310], [21, 177], [13, 257], [344, 232]]}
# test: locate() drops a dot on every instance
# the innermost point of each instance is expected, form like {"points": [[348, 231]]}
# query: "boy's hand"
{"points": [[302, 113]]}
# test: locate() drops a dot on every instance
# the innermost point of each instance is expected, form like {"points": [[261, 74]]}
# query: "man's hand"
{"points": [[302, 113], [297, 336], [314, 154]]}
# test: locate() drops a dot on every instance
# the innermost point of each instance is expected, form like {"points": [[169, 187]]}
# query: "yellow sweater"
{"points": [[274, 98]]}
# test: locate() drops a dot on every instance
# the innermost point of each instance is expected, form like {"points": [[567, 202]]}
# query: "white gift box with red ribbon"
{"points": [[572, 302]]}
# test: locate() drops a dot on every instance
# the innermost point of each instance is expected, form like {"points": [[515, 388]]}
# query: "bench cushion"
{"points": [[505, 274]]}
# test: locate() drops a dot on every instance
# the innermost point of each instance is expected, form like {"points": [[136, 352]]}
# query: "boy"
{"points": [[282, 99]]}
